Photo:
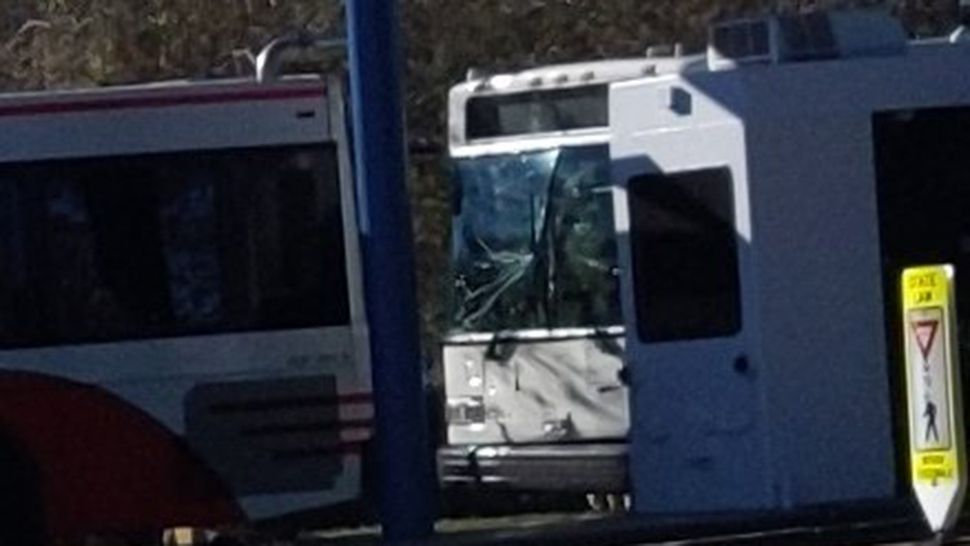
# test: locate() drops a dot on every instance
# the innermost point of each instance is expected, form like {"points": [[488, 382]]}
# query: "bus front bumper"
{"points": [[549, 467]]}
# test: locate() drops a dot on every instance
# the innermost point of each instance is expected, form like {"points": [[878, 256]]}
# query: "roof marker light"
{"points": [[502, 81]]}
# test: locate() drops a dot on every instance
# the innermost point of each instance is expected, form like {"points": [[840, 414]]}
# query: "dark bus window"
{"points": [[161, 245], [685, 255], [537, 112], [533, 242]]}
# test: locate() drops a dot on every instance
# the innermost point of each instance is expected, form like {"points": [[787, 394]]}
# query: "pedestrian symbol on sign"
{"points": [[930, 415]]}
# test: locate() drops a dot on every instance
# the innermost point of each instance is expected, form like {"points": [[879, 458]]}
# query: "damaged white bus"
{"points": [[533, 360]]}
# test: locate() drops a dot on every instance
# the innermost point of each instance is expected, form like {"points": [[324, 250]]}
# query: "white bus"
{"points": [[766, 205], [533, 358], [182, 333]]}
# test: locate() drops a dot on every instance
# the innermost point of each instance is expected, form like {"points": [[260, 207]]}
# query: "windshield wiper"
{"points": [[544, 248]]}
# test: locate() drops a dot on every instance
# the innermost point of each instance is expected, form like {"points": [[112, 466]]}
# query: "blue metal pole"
{"points": [[405, 464]]}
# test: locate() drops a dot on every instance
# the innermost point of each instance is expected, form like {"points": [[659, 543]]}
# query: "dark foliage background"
{"points": [[73, 43]]}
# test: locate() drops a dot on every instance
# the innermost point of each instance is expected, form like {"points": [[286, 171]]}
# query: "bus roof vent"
{"points": [[806, 37], [861, 33], [810, 36], [742, 41]]}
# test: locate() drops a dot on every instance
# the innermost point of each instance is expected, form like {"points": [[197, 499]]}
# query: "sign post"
{"points": [[938, 466]]}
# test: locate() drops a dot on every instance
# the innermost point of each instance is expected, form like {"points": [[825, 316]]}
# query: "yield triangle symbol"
{"points": [[925, 331]]}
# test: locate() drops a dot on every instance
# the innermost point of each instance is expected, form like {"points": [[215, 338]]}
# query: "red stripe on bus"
{"points": [[167, 101]]}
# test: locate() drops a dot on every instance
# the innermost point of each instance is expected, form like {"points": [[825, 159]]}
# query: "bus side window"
{"points": [[685, 255]]}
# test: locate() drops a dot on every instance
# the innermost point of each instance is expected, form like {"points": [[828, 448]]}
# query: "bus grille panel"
{"points": [[270, 436]]}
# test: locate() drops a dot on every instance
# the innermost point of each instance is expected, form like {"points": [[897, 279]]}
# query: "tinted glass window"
{"points": [[537, 112], [170, 244], [685, 256], [534, 243]]}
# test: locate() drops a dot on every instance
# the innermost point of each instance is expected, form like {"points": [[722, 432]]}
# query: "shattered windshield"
{"points": [[533, 241]]}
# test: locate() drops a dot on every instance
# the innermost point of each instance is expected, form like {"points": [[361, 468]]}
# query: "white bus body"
{"points": [[179, 263], [534, 394], [766, 205]]}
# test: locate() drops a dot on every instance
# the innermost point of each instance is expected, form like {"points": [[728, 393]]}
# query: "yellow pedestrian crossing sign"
{"points": [[933, 393]]}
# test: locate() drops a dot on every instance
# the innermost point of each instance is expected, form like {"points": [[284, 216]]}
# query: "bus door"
{"points": [[697, 432]]}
